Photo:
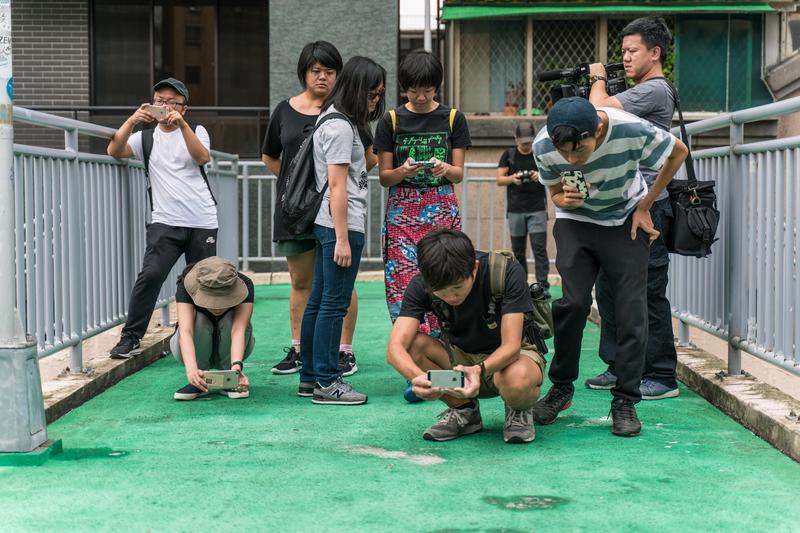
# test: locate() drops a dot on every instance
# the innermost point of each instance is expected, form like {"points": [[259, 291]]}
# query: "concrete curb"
{"points": [[761, 408], [78, 390]]}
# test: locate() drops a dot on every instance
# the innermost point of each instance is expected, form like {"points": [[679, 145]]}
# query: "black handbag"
{"points": [[693, 227]]}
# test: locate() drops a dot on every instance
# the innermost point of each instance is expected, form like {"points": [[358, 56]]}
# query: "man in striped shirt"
{"points": [[589, 159]]}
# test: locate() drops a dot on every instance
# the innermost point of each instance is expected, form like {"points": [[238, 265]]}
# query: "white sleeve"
{"points": [[135, 142], [202, 135]]}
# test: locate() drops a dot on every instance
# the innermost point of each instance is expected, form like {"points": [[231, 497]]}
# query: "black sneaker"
{"points": [[347, 363], [189, 392], [626, 423], [126, 348], [558, 398], [289, 364], [306, 389]]}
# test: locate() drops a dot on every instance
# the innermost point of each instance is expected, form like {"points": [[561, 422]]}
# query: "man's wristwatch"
{"points": [[241, 365], [483, 368], [593, 79]]}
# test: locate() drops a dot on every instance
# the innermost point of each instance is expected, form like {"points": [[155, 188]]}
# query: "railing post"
{"points": [[465, 200], [76, 243], [683, 334], [732, 216], [22, 415], [246, 218]]}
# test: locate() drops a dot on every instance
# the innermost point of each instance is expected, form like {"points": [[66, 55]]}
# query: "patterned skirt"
{"points": [[411, 214]]}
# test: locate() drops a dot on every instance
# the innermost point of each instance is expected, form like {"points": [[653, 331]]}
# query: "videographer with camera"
{"points": [[590, 159], [645, 43], [526, 202], [481, 300]]}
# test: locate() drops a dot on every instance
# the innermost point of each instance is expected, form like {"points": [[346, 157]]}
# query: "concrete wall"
{"points": [[50, 61], [354, 27]]}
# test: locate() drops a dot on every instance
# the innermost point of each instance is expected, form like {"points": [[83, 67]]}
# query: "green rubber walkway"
{"points": [[135, 460]]}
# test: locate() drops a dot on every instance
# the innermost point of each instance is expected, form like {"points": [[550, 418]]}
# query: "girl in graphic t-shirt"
{"points": [[421, 198]]}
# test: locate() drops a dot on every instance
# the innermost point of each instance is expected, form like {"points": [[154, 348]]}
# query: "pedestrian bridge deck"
{"points": [[135, 460]]}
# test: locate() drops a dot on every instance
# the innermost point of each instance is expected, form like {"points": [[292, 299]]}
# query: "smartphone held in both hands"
{"points": [[446, 379], [423, 164], [160, 112], [221, 379]]}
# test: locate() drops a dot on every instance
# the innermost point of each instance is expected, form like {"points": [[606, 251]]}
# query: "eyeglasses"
{"points": [[372, 95], [169, 103]]}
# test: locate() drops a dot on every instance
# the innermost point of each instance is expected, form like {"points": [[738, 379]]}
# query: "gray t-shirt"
{"points": [[652, 101], [337, 142]]}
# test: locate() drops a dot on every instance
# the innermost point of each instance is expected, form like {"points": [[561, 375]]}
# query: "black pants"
{"points": [[539, 247], [661, 358], [165, 245], [584, 249]]}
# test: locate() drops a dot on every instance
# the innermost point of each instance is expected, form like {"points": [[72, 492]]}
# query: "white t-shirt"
{"points": [[180, 195]]}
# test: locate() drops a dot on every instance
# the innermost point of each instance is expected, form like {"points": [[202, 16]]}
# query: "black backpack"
{"points": [[147, 148], [300, 200]]}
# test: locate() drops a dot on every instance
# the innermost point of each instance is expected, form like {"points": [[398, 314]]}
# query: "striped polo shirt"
{"points": [[612, 172]]}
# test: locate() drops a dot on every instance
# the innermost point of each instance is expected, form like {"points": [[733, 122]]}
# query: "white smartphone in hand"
{"points": [[160, 112]]}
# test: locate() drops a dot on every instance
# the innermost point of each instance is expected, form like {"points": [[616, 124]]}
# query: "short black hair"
{"points": [[445, 256], [653, 31], [359, 76], [420, 69], [565, 134], [321, 52]]}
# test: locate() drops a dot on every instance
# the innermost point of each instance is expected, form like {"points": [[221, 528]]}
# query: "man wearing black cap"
{"points": [[590, 159], [526, 203], [183, 208]]}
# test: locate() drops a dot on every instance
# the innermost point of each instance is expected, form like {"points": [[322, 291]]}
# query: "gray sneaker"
{"points": [[306, 389], [454, 423], [604, 381], [339, 392], [518, 428]]}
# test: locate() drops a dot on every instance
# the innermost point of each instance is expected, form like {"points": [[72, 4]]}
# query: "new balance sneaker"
{"points": [[126, 348], [655, 390], [289, 364], [454, 423], [518, 427], [409, 395], [347, 363], [603, 381], [306, 389], [558, 398], [339, 392], [626, 423], [189, 392]]}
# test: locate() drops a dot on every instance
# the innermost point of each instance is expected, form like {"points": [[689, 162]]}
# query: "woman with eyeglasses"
{"points": [[290, 122], [340, 162]]}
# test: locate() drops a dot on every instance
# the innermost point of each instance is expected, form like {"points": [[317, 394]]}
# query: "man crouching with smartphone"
{"points": [[481, 338]]}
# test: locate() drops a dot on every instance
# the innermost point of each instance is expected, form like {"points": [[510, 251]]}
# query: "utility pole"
{"points": [[22, 420], [427, 35]]}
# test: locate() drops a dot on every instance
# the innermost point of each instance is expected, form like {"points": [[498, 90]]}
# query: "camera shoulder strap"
{"points": [[684, 136]]}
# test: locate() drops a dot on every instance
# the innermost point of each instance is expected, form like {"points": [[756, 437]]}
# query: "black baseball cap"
{"points": [[175, 84], [525, 133], [576, 112]]}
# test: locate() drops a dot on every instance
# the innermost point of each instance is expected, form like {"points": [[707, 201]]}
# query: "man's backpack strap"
{"points": [[147, 149], [452, 118], [498, 264], [393, 115]]}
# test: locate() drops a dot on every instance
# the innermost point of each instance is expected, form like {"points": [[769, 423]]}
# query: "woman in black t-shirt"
{"points": [[290, 122]]}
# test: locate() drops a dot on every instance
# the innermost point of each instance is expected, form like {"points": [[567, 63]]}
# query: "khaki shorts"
{"points": [[488, 389], [293, 247]]}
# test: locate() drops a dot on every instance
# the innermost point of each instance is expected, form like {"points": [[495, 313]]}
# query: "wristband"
{"points": [[240, 363]]}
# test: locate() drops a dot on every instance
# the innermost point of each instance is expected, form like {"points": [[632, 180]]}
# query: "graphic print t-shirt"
{"points": [[422, 136]]}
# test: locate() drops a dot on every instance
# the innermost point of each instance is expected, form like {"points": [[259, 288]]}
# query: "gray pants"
{"points": [[208, 355]]}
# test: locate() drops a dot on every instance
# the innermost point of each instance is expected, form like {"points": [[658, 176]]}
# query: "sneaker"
{"points": [[409, 395], [189, 392], [604, 381], [339, 392], [557, 399], [518, 427], [347, 363], [126, 348], [655, 390], [289, 364], [234, 394], [454, 423], [306, 389], [626, 423]]}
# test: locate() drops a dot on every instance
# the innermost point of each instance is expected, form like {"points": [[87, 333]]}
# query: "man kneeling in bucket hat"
{"points": [[215, 303]]}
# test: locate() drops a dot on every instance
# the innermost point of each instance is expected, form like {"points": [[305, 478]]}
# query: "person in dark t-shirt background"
{"points": [[526, 201], [290, 122]]}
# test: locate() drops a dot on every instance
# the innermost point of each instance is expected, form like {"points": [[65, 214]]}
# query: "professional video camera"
{"points": [[576, 81]]}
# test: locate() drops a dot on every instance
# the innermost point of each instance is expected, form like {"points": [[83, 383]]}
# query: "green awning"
{"points": [[461, 12]]}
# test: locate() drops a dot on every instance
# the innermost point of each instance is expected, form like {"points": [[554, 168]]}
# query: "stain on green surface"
{"points": [[525, 503], [275, 462]]}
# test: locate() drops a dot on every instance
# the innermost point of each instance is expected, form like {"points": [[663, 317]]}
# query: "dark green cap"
{"points": [[175, 84]]}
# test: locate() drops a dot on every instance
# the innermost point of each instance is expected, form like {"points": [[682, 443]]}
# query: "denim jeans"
{"points": [[660, 355], [330, 296]]}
